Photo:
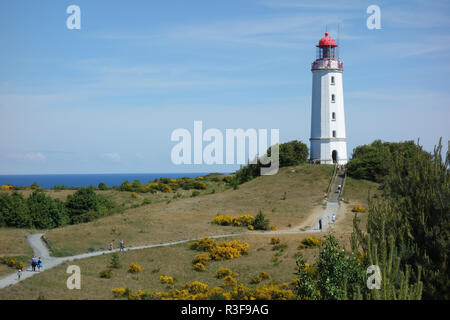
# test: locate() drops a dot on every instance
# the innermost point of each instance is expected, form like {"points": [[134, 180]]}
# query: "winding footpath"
{"points": [[40, 248]]}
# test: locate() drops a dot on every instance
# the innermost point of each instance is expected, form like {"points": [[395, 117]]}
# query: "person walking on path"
{"points": [[39, 264], [33, 264], [333, 218], [19, 273], [320, 224], [121, 245], [110, 246]]}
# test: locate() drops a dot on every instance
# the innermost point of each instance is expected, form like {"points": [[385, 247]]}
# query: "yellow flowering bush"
{"points": [[250, 227], [199, 266], [6, 187], [118, 292], [202, 258], [196, 287], [231, 290], [134, 195], [243, 220], [262, 276], [12, 262], [358, 209], [204, 244], [229, 281], [223, 272], [273, 228], [229, 250], [166, 188], [166, 279], [135, 268], [310, 242], [20, 265]]}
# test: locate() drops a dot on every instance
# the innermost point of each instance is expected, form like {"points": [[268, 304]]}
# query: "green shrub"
{"points": [[261, 223], [195, 193], [115, 261], [107, 274]]}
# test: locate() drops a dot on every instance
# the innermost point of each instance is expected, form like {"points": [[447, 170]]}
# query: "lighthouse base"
{"points": [[329, 150]]}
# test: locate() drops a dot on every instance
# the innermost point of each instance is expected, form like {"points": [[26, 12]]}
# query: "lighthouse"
{"points": [[328, 139]]}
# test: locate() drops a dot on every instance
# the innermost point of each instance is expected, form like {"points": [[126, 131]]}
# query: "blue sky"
{"points": [[106, 98]]}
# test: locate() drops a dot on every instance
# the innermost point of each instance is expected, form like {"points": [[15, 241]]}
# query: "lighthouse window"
{"points": [[332, 80], [333, 116], [334, 133], [333, 98]]}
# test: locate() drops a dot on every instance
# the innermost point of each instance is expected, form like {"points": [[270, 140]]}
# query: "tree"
{"points": [[261, 223], [414, 210], [373, 162], [14, 211], [45, 212], [102, 186], [83, 206], [290, 154]]}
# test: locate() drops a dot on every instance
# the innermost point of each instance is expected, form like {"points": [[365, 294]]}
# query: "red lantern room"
{"points": [[327, 48], [327, 55]]}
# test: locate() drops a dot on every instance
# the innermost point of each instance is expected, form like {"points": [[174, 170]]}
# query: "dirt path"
{"points": [[41, 250]]}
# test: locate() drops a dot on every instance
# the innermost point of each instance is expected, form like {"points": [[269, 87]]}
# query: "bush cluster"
{"points": [[230, 290], [166, 279], [243, 220], [134, 268], [12, 262], [359, 209], [214, 250], [310, 242]]}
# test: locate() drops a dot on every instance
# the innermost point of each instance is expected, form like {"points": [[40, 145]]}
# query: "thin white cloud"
{"points": [[35, 156], [111, 156]]}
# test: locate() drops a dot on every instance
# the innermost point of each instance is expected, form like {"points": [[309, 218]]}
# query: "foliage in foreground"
{"points": [[414, 211]]}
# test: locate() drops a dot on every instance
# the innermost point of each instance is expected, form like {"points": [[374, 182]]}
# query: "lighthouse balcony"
{"points": [[327, 64]]}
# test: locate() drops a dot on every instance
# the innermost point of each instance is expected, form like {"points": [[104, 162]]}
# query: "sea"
{"points": [[48, 181]]}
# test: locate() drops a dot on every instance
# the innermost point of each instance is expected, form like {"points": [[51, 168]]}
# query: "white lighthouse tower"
{"points": [[328, 139]]}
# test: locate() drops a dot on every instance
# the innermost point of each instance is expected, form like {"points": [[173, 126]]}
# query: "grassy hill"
{"points": [[301, 187], [289, 200]]}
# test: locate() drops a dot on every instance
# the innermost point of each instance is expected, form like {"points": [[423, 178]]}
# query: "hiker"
{"points": [[33, 264], [39, 264], [333, 218], [320, 224], [19, 273], [121, 245], [110, 246]]}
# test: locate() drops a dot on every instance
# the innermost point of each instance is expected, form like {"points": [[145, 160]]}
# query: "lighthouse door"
{"points": [[334, 156]]}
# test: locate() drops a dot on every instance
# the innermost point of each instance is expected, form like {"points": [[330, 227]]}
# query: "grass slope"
{"points": [[190, 217]]}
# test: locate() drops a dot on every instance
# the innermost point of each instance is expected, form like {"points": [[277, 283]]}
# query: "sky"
{"points": [[107, 97]]}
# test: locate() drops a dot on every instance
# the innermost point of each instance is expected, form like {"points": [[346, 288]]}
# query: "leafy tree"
{"points": [[126, 186], [83, 206], [102, 186], [373, 162], [290, 154], [14, 211], [45, 212]]}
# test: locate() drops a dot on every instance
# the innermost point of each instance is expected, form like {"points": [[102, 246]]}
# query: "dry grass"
{"points": [[175, 261], [13, 243], [190, 217]]}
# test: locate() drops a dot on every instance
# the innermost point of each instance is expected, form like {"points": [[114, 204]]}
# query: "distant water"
{"points": [[47, 181]]}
